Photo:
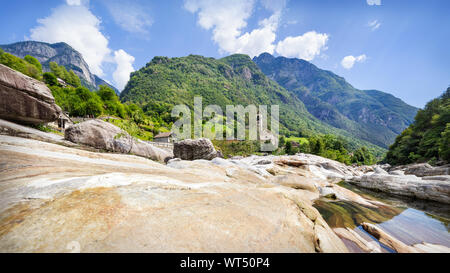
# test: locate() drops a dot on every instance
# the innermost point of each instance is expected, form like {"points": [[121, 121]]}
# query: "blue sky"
{"points": [[397, 46]]}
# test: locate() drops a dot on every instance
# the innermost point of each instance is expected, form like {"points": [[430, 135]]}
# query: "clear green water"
{"points": [[410, 221]]}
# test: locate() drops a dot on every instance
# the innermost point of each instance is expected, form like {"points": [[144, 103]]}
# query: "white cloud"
{"points": [[290, 22], [348, 61], [227, 19], [374, 25], [130, 16], [274, 5], [373, 2], [78, 27], [258, 40], [75, 25], [306, 46], [124, 63], [73, 2], [77, 2]]}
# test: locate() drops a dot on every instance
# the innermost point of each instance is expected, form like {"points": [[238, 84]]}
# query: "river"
{"points": [[410, 221]]}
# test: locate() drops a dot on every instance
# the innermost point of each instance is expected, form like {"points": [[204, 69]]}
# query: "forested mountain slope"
{"points": [[60, 53], [232, 80], [428, 138], [371, 115]]}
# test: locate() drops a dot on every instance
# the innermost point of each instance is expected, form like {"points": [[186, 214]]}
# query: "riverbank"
{"points": [[57, 195]]}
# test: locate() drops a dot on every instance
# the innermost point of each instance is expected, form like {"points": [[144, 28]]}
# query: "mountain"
{"points": [[371, 115], [232, 80], [428, 138], [60, 53], [99, 81]]}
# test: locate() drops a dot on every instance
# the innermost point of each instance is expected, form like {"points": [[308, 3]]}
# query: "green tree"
{"points": [[112, 104], [32, 69], [73, 79], [317, 145], [32, 60], [282, 141], [288, 148], [444, 148], [136, 113], [425, 139], [304, 147], [363, 156], [67, 76], [57, 70], [50, 79]]}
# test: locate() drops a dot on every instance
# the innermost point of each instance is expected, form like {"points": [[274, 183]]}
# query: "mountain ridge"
{"points": [[234, 79], [330, 98], [60, 53]]}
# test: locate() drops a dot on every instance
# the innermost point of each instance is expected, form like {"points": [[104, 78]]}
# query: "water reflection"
{"points": [[410, 221], [414, 227], [349, 214], [434, 209]]}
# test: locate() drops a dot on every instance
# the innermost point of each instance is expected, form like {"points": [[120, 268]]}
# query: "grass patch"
{"points": [[237, 148], [299, 140], [134, 130], [46, 129]]}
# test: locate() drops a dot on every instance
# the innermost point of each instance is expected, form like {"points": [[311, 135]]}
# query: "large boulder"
{"points": [[193, 149], [24, 99], [106, 136], [406, 185]]}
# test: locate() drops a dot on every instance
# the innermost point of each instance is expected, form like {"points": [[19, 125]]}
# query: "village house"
{"points": [[61, 123], [167, 137], [64, 120]]}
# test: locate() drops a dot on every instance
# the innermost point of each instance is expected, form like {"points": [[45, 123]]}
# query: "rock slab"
{"points": [[106, 136], [406, 185], [24, 99], [78, 201], [425, 169]]}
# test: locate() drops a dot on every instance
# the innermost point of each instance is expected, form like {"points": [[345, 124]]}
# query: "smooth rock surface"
{"points": [[431, 248], [60, 199], [296, 182], [398, 172], [24, 99], [423, 169], [14, 129], [106, 136], [405, 185], [387, 239], [329, 169], [363, 244], [379, 170]]}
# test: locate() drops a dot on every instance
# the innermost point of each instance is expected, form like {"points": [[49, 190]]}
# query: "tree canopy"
{"points": [[68, 76], [29, 65], [332, 147], [428, 138]]}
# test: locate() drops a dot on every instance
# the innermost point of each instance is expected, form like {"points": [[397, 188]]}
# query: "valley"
{"points": [[102, 185]]}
